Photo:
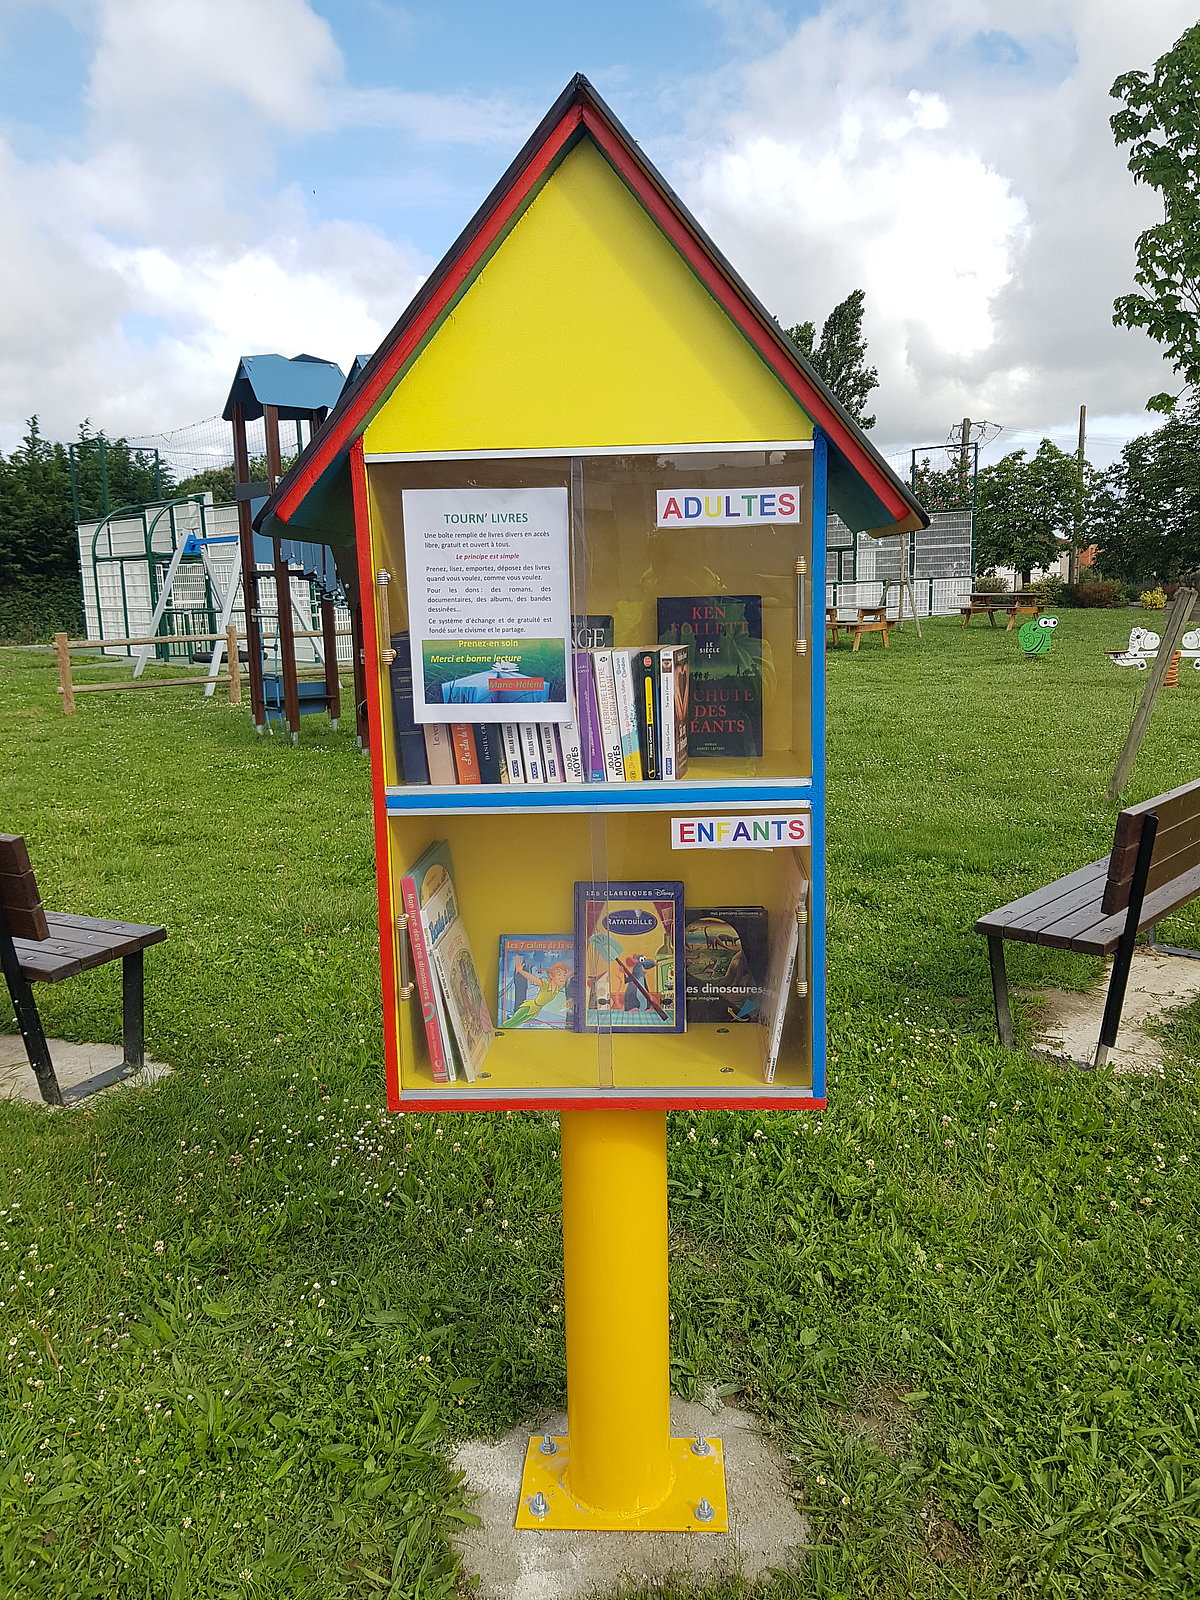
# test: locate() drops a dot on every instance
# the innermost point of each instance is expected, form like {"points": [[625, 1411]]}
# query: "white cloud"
{"points": [[135, 274], [955, 161]]}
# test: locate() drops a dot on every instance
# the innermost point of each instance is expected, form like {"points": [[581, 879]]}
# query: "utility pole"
{"points": [[964, 453], [1073, 558]]}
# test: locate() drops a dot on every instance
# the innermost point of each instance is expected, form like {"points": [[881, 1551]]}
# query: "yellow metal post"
{"points": [[617, 1466], [614, 1178]]}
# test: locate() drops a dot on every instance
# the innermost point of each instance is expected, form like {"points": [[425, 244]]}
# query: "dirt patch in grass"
{"points": [[879, 1416]]}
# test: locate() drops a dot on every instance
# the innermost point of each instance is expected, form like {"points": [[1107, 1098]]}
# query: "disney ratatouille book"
{"points": [[629, 957], [536, 980]]}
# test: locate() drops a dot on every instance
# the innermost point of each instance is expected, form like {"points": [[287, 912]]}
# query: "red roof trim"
{"points": [[733, 303], [335, 438]]}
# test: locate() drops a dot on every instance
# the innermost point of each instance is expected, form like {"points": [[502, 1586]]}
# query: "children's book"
{"points": [[674, 707], [783, 954], [629, 957], [425, 875], [725, 962], [536, 980], [725, 635], [458, 976]]}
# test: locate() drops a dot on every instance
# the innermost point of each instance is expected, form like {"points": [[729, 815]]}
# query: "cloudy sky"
{"points": [[186, 181]]}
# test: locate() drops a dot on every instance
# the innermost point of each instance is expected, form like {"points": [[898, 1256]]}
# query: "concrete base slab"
{"points": [[74, 1066], [765, 1528], [1070, 1024]]}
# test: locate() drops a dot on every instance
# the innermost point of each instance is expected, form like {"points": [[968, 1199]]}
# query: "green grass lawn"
{"points": [[245, 1311]]}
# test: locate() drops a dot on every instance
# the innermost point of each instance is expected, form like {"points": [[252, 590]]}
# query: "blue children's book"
{"points": [[536, 973], [629, 957]]}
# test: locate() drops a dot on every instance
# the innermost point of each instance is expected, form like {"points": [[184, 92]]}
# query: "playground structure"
{"points": [[162, 579], [926, 573]]}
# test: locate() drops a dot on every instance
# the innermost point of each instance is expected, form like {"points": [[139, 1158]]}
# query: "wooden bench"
{"points": [[1010, 605], [38, 946], [1152, 870], [868, 619]]}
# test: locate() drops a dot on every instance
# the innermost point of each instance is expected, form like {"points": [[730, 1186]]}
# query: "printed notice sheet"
{"points": [[489, 604]]}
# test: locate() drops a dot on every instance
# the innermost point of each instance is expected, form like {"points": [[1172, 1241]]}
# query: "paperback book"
{"points": [[724, 632], [411, 762], [418, 884], [629, 957], [725, 962], [458, 978], [536, 980], [787, 951]]}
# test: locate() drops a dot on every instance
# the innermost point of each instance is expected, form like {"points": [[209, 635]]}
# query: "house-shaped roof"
{"points": [[315, 495], [297, 385]]}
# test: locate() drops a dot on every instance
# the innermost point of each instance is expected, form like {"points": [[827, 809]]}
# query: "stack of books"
{"points": [[458, 1025], [631, 726]]}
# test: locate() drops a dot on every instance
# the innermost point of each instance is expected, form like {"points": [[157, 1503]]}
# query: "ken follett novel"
{"points": [[725, 635]]}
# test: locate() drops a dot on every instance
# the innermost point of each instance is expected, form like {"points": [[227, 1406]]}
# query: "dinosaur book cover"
{"points": [[724, 632], [629, 957], [725, 962]]}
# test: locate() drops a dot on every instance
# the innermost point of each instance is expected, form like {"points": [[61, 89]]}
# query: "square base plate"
{"points": [[694, 1478]]}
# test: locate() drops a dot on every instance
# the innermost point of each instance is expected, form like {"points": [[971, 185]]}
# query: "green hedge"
{"points": [[33, 611]]}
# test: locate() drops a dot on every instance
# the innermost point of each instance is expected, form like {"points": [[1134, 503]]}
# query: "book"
{"points": [[629, 957], [418, 884], [514, 766], [551, 760], [411, 763], [588, 718], [536, 973], [488, 750], [462, 997], [610, 717], [782, 952], [725, 962], [627, 713], [674, 706], [531, 752], [466, 759], [439, 753], [724, 632], [645, 678], [592, 633], [572, 752]]}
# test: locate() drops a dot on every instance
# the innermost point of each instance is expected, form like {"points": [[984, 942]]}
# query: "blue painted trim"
{"points": [[414, 799], [817, 653]]}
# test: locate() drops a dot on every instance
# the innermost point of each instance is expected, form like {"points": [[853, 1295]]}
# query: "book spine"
{"points": [[631, 755], [673, 710], [572, 752], [591, 747], [645, 672], [468, 1066], [514, 766], [466, 759], [440, 1063], [551, 760], [439, 752], [531, 752], [488, 751], [610, 721], [411, 765]]}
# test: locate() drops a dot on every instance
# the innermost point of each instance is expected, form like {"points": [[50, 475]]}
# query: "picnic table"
{"points": [[866, 619], [1023, 603]]}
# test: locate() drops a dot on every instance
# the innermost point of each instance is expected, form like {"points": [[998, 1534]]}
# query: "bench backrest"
{"points": [[19, 897], [1176, 844]]}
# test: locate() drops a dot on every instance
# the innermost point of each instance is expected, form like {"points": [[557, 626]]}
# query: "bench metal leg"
{"points": [[133, 1012], [1004, 1025], [1123, 960], [1167, 949], [29, 1022]]}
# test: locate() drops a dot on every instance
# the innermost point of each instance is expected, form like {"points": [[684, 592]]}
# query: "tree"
{"points": [[839, 356], [37, 533], [1161, 126], [1153, 526], [1031, 509], [110, 474], [941, 488]]}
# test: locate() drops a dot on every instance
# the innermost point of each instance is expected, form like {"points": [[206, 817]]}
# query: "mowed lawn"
{"points": [[245, 1312]]}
